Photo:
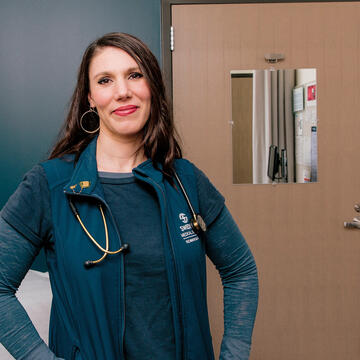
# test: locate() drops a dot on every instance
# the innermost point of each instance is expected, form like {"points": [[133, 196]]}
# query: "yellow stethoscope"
{"points": [[197, 224]]}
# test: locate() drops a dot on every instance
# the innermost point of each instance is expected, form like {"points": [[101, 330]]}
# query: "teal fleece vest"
{"points": [[88, 310]]}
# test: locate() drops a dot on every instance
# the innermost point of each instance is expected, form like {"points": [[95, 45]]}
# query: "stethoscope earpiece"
{"points": [[88, 264]]}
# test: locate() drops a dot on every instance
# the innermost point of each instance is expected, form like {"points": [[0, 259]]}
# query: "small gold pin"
{"points": [[84, 184]]}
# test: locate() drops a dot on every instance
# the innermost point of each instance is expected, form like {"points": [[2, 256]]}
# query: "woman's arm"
{"points": [[17, 333], [25, 224], [228, 250], [231, 255]]}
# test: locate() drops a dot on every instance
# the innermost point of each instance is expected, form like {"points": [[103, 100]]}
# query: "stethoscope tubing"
{"points": [[197, 223]]}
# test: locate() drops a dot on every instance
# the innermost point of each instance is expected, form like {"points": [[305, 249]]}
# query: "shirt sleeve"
{"points": [[28, 209], [211, 201], [228, 250], [23, 226], [17, 333], [42, 352]]}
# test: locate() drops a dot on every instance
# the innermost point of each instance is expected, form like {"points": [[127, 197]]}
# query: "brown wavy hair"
{"points": [[160, 139]]}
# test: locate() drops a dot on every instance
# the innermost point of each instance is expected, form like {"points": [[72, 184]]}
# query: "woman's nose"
{"points": [[122, 89]]}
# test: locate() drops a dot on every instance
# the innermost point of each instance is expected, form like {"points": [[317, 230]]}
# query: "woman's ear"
{"points": [[91, 101]]}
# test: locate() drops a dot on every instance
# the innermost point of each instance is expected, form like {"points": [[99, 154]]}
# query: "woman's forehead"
{"points": [[111, 58]]}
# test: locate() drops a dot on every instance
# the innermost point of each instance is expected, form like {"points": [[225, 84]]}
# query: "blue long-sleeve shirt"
{"points": [[17, 252]]}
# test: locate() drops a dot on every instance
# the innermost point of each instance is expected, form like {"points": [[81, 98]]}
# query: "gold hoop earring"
{"points": [[91, 111]]}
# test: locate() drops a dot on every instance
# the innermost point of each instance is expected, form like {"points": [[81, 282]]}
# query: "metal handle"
{"points": [[355, 223], [352, 225], [274, 58]]}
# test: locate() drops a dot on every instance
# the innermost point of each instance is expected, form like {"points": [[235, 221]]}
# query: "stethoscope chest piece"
{"points": [[198, 224]]}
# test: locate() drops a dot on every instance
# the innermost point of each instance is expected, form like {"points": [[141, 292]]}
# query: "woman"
{"points": [[117, 211]]}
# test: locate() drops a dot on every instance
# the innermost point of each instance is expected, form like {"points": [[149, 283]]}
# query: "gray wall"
{"points": [[41, 44]]}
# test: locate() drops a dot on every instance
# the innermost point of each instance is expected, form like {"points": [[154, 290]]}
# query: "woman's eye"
{"points": [[104, 81], [135, 75]]}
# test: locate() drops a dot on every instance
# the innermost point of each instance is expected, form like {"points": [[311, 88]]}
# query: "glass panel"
{"points": [[274, 126]]}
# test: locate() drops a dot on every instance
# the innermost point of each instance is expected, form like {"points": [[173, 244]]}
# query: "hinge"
{"points": [[171, 38]]}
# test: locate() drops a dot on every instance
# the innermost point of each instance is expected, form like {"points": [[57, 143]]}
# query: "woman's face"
{"points": [[120, 93]]}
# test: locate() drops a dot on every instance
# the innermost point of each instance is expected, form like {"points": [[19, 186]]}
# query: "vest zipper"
{"points": [[122, 301]]}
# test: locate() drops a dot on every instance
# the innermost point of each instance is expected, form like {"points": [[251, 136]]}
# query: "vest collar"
{"points": [[85, 179], [147, 169]]}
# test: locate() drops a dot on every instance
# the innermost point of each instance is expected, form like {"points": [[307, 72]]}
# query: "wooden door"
{"points": [[309, 265]]}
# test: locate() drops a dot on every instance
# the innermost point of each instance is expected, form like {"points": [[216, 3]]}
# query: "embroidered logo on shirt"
{"points": [[187, 233]]}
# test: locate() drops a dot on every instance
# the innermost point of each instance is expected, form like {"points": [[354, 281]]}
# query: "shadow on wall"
{"points": [[44, 42]]}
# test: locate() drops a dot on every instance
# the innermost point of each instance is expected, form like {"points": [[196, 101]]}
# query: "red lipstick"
{"points": [[125, 110]]}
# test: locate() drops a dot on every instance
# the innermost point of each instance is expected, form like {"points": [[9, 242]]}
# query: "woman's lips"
{"points": [[125, 110]]}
